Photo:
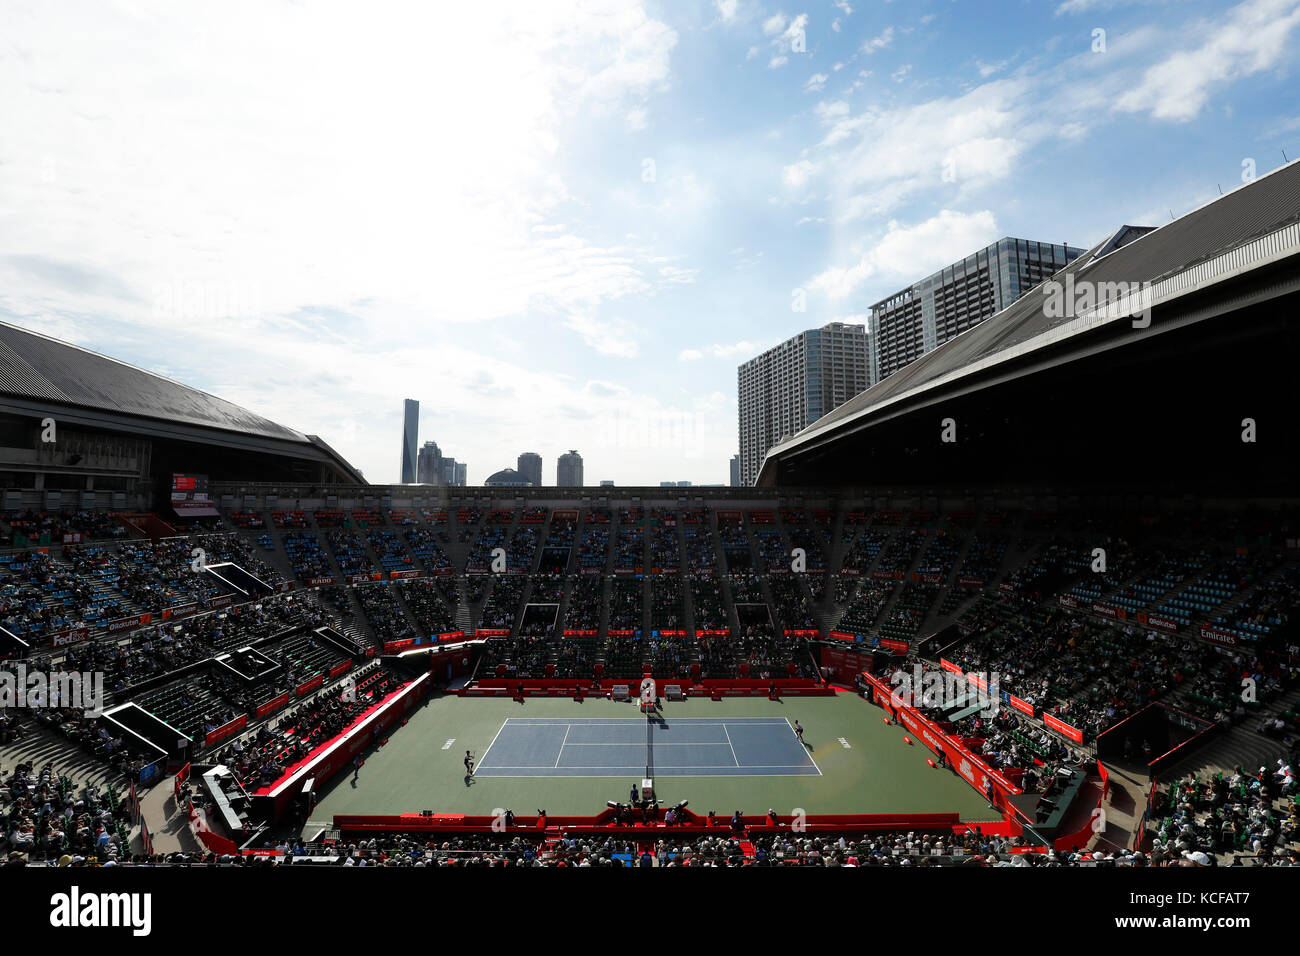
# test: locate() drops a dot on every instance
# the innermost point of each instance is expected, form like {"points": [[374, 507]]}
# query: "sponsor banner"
{"points": [[365, 576], [626, 633], [451, 636], [221, 733], [1062, 728], [396, 647], [843, 636], [1068, 600], [128, 623], [679, 633], [1161, 623], [492, 632], [339, 668], [843, 664], [801, 632], [272, 705], [887, 575], [288, 586], [178, 611], [949, 666], [725, 633], [900, 647], [224, 600], [73, 635], [1006, 587], [850, 572], [968, 582], [402, 575], [927, 577], [1217, 635], [1023, 706], [323, 582], [584, 633], [1105, 610], [306, 687]]}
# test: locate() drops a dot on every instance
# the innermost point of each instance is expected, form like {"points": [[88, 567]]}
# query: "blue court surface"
{"points": [[673, 747]]}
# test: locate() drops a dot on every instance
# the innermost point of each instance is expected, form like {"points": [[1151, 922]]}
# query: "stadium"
{"points": [[954, 625]]}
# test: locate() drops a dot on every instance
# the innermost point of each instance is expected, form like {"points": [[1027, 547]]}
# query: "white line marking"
{"points": [[844, 743], [729, 744], [567, 728], [450, 741], [494, 740]]}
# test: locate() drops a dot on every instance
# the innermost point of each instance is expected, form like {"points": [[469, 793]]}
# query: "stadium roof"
{"points": [[1188, 254], [35, 368]]}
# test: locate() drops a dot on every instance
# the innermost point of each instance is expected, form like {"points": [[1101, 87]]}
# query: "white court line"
{"points": [[734, 758], [494, 740], [567, 728], [806, 751]]}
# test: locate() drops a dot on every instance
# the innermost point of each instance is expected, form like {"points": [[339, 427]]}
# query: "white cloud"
{"points": [[880, 41], [777, 62], [774, 24], [797, 174], [911, 251], [727, 9], [636, 120], [815, 83], [1254, 37], [901, 73]]}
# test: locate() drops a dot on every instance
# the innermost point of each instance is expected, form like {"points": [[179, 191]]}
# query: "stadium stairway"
{"points": [[1241, 745]]}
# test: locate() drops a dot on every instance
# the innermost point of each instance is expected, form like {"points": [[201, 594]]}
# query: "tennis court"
{"points": [[663, 747]]}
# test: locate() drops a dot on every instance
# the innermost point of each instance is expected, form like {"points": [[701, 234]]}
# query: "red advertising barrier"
{"points": [[578, 633], [1217, 635], [1023, 706], [493, 632], [1105, 610], [842, 636], [899, 646], [272, 705], [146, 838], [949, 666], [843, 665], [965, 582], [366, 576], [1062, 728], [803, 632], [1067, 600], [224, 731], [128, 623], [223, 600], [722, 633], [306, 687], [339, 668], [322, 582], [396, 647], [451, 636], [73, 635], [970, 767], [1161, 623], [182, 775], [339, 753], [402, 575], [179, 611]]}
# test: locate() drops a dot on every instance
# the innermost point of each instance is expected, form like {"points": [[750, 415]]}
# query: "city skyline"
{"points": [[579, 248]]}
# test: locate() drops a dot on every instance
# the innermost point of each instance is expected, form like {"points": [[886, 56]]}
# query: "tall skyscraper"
{"points": [[530, 466], [931, 311], [789, 387], [429, 464], [735, 471], [568, 471], [461, 474], [410, 433]]}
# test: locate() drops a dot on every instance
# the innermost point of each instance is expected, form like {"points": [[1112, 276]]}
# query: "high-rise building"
{"points": [[568, 470], [410, 433], [530, 466], [931, 311], [790, 386], [462, 474], [735, 471], [429, 464]]}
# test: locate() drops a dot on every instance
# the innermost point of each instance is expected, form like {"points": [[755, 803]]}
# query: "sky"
{"points": [[564, 225]]}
